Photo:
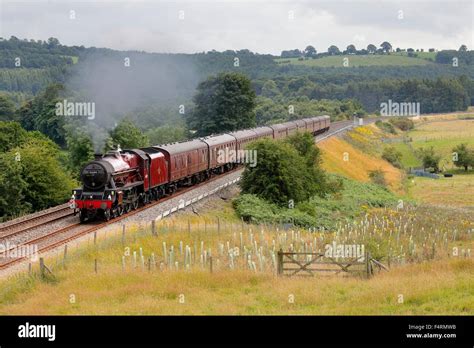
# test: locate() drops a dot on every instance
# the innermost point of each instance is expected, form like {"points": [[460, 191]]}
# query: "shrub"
{"points": [[402, 123], [286, 170], [347, 202], [429, 158], [377, 177], [386, 127], [393, 156], [254, 209]]}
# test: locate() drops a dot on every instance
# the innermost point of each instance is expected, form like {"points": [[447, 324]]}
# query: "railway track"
{"points": [[72, 231], [17, 227]]}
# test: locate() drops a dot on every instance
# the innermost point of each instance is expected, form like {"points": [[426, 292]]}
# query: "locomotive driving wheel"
{"points": [[119, 210], [135, 204]]}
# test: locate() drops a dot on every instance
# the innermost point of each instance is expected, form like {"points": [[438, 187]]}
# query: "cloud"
{"points": [[261, 26]]}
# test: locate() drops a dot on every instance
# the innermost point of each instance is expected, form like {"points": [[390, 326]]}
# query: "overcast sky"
{"points": [[261, 26]]}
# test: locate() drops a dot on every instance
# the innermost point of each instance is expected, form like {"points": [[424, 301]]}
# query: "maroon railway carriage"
{"points": [[221, 148], [317, 125], [188, 163], [300, 125], [263, 132], [243, 138], [279, 131], [309, 124], [323, 122]]}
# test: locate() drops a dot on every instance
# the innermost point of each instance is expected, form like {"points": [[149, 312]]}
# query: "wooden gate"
{"points": [[297, 263]]}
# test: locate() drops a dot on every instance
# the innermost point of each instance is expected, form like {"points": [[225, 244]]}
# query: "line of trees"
{"points": [[25, 53], [434, 95], [384, 48], [462, 157]]}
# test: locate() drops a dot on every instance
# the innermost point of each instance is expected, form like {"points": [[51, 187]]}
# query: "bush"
{"points": [[347, 202], [429, 158], [286, 170], [402, 123], [33, 176], [377, 177], [253, 209], [386, 127], [393, 156]]}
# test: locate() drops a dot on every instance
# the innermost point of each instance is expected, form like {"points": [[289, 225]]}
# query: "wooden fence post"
{"points": [[123, 234], [95, 237], [218, 225], [280, 262], [95, 265], [210, 263], [65, 255], [368, 264], [153, 230], [42, 267]]}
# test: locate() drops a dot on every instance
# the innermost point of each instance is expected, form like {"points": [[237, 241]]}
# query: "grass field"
{"points": [[422, 55], [408, 157], [443, 286], [457, 191], [354, 60], [443, 136]]}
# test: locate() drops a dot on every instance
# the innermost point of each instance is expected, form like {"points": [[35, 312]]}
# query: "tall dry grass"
{"points": [[169, 273]]}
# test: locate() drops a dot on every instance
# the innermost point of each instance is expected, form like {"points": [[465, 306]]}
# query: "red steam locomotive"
{"points": [[119, 181]]}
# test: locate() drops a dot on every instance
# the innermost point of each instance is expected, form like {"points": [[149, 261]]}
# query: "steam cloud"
{"points": [[118, 88]]}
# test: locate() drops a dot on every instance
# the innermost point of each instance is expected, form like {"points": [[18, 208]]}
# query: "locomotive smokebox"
{"points": [[95, 175]]}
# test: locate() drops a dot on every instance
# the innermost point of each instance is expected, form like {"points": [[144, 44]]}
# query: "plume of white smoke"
{"points": [[121, 82]]}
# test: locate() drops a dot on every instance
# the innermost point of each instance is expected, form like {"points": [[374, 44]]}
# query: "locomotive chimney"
{"points": [[97, 156]]}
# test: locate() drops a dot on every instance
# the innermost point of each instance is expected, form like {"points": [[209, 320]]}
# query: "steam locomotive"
{"points": [[119, 181]]}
